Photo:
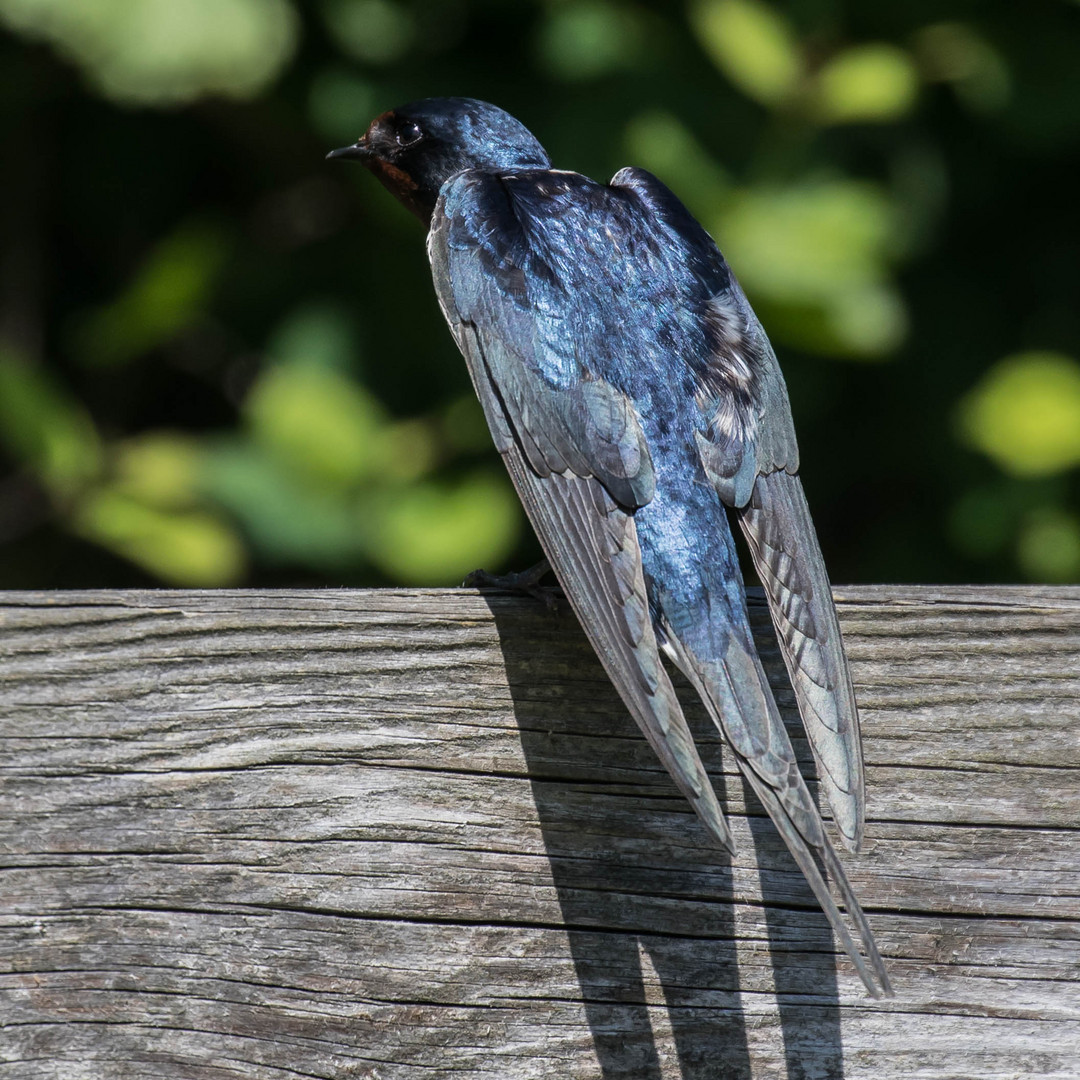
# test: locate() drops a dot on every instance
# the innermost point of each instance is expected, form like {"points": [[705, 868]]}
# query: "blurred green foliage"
{"points": [[1025, 413], [221, 361], [164, 51]]}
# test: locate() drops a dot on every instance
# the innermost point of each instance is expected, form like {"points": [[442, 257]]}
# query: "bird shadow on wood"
{"points": [[641, 885]]}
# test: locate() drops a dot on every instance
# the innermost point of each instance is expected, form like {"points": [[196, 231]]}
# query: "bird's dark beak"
{"points": [[359, 151]]}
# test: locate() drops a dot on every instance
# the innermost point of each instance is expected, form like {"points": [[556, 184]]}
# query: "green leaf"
{"points": [[168, 293], [584, 39], [340, 103], [807, 240], [816, 255], [659, 142], [752, 44], [376, 31], [318, 334], [983, 521], [1048, 548], [1025, 414], [46, 428], [287, 519], [409, 449], [318, 423], [428, 534], [192, 548], [159, 468], [463, 426], [986, 519], [959, 54], [866, 321], [866, 83], [164, 52]]}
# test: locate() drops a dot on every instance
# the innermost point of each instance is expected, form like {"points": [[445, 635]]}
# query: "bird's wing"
{"points": [[748, 448], [578, 458], [784, 546]]}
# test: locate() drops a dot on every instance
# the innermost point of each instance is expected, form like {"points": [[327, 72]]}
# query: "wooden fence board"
{"points": [[414, 834]]}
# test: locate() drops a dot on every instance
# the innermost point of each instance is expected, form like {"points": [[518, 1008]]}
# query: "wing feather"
{"points": [[748, 450], [777, 526]]}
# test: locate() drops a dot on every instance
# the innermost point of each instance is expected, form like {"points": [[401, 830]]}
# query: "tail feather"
{"points": [[874, 975], [738, 697]]}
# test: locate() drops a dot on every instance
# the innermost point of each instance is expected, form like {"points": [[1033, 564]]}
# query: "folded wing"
{"points": [[753, 461], [579, 461], [747, 446]]}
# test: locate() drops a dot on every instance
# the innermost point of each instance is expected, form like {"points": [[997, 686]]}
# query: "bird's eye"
{"points": [[408, 133]]}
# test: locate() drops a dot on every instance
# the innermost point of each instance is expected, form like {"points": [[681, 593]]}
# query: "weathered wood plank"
{"points": [[389, 834]]}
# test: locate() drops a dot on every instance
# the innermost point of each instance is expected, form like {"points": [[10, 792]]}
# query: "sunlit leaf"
{"points": [[867, 320], [192, 547], [582, 39], [378, 31], [317, 422], [287, 520], [1025, 413], [427, 534], [164, 52], [160, 468], [819, 249], [751, 43], [166, 295], [409, 449], [45, 427], [1048, 548], [866, 82], [807, 240]]}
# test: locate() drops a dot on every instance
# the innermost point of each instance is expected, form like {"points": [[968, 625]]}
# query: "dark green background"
{"points": [[221, 360]]}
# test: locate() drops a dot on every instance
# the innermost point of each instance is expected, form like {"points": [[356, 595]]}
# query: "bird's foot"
{"points": [[524, 581]]}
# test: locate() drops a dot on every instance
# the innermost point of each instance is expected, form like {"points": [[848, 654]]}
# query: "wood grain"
{"points": [[414, 834]]}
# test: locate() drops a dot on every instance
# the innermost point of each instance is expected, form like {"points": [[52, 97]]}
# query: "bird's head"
{"points": [[416, 148]]}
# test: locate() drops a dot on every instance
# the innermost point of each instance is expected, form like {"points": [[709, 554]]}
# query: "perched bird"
{"points": [[636, 402]]}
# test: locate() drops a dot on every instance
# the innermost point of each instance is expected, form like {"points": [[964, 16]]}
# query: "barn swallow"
{"points": [[637, 404]]}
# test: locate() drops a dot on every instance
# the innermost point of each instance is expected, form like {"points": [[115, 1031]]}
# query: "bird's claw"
{"points": [[526, 582]]}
